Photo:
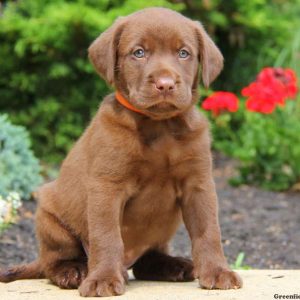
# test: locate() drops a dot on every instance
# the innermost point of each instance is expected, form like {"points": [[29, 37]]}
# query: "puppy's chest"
{"points": [[164, 163], [158, 182], [167, 159]]}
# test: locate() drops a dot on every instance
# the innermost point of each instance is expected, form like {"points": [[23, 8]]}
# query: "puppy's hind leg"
{"points": [[156, 265], [62, 257]]}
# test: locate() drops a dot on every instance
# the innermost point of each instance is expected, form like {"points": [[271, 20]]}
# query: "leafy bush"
{"points": [[251, 34], [268, 148], [264, 134], [46, 81], [48, 85], [19, 168]]}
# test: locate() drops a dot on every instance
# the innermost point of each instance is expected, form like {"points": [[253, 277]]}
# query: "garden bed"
{"points": [[262, 224]]}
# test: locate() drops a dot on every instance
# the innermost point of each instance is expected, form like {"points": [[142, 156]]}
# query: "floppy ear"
{"points": [[211, 59], [103, 51]]}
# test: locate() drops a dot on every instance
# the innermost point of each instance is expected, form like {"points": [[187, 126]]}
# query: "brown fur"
{"points": [[156, 265], [128, 181]]}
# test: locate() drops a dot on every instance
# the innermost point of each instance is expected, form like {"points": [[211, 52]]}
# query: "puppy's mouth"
{"points": [[162, 107]]}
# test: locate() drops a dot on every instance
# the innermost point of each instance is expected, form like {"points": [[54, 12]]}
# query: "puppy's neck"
{"points": [[123, 101], [182, 126]]}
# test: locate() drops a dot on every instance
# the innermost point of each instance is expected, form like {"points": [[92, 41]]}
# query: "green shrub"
{"points": [[46, 81], [19, 168], [250, 34], [266, 146], [266, 141], [48, 85]]}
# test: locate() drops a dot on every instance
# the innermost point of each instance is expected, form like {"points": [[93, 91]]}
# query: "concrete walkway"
{"points": [[258, 284]]}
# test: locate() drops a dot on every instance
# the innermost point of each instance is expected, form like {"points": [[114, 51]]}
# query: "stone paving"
{"points": [[258, 284]]}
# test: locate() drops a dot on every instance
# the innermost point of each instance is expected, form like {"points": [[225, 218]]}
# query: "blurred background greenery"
{"points": [[48, 85]]}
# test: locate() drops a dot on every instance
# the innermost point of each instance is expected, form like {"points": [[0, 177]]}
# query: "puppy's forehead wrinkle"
{"points": [[159, 32], [156, 42]]}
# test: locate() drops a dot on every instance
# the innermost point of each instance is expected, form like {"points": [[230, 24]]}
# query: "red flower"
{"points": [[221, 101], [272, 87], [263, 97], [287, 77], [261, 105]]}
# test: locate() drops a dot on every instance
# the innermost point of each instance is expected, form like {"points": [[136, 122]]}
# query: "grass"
{"points": [[238, 264]]}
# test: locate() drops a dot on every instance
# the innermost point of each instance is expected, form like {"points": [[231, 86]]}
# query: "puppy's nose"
{"points": [[165, 84]]}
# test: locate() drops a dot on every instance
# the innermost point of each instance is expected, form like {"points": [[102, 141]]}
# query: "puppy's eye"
{"points": [[139, 53], [183, 53]]}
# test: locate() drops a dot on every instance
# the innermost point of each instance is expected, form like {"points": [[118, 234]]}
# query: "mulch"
{"points": [[262, 224]]}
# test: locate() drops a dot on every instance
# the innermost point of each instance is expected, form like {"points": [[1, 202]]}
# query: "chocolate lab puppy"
{"points": [[142, 165]]}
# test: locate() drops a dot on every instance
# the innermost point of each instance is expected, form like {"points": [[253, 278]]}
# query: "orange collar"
{"points": [[125, 103]]}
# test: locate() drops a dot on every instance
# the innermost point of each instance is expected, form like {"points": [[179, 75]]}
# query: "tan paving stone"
{"points": [[258, 284]]}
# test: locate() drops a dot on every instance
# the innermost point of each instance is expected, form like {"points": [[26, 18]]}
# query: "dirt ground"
{"points": [[262, 224]]}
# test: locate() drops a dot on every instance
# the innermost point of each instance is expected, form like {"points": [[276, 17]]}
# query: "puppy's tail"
{"points": [[32, 270]]}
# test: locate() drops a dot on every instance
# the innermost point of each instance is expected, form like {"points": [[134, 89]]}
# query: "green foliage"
{"points": [[48, 85], [267, 146], [238, 264], [250, 34], [19, 168], [46, 81]]}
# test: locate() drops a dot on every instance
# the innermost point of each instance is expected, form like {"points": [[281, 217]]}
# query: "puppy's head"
{"points": [[153, 56]]}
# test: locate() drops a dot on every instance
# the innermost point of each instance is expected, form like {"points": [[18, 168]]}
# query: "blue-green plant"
{"points": [[19, 169]]}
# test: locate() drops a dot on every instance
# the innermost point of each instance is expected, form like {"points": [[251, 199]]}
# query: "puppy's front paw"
{"points": [[102, 285], [220, 278]]}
